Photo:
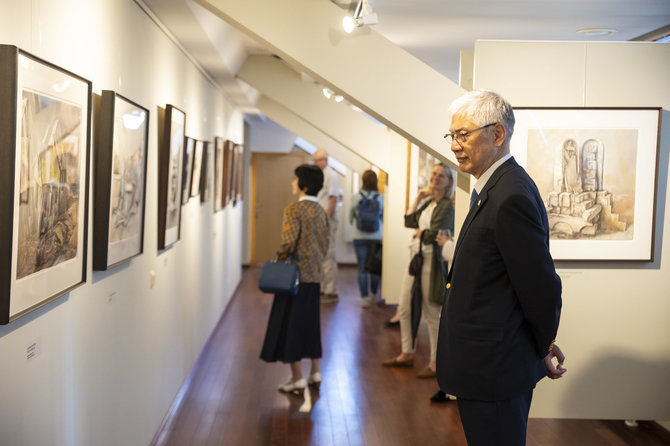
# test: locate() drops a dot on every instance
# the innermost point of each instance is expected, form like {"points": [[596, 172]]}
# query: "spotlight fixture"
{"points": [[363, 15], [596, 31], [339, 98], [327, 93]]}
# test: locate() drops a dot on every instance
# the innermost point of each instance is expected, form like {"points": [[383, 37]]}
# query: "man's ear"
{"points": [[499, 134]]}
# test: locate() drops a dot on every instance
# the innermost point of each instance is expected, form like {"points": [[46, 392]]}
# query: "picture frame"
{"points": [[45, 119], [196, 174], [189, 149], [239, 174], [121, 144], [206, 177], [228, 169], [219, 173], [596, 171], [170, 158]]}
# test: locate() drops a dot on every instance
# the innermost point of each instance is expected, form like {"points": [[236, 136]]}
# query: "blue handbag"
{"points": [[279, 276]]}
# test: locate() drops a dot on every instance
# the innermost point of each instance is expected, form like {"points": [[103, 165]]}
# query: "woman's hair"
{"points": [[370, 180], [485, 107], [309, 177], [449, 172]]}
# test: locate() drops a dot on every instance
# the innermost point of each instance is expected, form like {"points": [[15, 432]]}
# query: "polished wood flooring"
{"points": [[231, 396]]}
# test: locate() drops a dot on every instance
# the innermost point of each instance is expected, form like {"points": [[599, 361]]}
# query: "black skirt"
{"points": [[294, 326]]}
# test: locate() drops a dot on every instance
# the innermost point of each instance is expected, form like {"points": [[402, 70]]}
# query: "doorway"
{"points": [[272, 176]]}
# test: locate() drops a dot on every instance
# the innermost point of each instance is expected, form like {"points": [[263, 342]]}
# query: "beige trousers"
{"points": [[430, 312], [329, 266]]}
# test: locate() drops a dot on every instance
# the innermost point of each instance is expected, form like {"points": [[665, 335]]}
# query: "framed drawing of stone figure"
{"points": [[121, 137], [170, 158], [595, 169], [44, 143]]}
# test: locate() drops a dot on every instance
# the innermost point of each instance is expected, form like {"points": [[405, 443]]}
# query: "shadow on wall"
{"points": [[619, 387], [29, 317]]}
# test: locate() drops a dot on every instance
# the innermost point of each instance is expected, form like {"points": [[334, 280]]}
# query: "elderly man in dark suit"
{"points": [[503, 296]]}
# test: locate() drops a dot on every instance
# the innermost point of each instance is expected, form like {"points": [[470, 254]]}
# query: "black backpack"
{"points": [[368, 213]]}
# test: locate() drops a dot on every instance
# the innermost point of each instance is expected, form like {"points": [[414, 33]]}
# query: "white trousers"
{"points": [[329, 266], [430, 312]]}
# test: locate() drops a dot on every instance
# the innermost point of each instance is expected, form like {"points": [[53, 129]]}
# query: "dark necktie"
{"points": [[473, 197]]}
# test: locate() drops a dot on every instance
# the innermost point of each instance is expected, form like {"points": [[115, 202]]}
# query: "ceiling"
{"points": [[434, 31]]}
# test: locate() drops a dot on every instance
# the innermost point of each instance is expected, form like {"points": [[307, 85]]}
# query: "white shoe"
{"points": [[366, 302], [294, 386], [314, 379]]}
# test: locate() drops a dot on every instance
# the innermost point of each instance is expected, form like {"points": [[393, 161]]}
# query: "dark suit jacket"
{"points": [[503, 301]]}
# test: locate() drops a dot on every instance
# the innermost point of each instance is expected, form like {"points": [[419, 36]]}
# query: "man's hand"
{"points": [[555, 371]]}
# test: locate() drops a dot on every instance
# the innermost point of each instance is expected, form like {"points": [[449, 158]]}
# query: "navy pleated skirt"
{"points": [[294, 326]]}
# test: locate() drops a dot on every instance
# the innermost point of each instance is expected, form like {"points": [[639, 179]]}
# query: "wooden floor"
{"points": [[231, 396]]}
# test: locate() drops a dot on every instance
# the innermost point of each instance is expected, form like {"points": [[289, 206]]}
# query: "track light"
{"points": [[363, 15], [327, 93]]}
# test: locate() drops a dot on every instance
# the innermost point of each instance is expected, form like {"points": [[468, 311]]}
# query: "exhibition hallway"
{"points": [[231, 396]]}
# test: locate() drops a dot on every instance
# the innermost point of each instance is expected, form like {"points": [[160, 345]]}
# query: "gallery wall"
{"points": [[110, 356], [614, 326]]}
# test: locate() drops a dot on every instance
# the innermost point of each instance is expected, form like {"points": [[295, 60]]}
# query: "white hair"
{"points": [[485, 107]]}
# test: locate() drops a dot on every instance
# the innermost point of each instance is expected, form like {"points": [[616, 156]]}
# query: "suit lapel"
{"points": [[479, 204]]}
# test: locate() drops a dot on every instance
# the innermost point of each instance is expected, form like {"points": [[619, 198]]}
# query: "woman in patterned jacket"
{"points": [[294, 327]]}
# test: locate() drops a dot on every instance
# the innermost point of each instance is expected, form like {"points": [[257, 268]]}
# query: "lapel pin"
{"points": [[479, 203]]}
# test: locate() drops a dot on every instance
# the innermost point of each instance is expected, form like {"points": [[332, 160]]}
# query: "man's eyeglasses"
{"points": [[463, 136]]}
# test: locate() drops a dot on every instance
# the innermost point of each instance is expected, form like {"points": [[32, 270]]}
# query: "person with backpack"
{"points": [[367, 207]]}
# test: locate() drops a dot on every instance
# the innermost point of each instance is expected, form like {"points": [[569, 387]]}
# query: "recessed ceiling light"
{"points": [[596, 31]]}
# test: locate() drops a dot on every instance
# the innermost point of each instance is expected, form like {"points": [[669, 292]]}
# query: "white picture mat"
{"points": [[32, 289], [646, 122]]}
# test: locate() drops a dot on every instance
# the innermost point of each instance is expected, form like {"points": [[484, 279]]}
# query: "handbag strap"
{"points": [[292, 255]]}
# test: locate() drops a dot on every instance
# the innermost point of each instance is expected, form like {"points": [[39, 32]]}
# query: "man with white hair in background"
{"points": [[327, 197]]}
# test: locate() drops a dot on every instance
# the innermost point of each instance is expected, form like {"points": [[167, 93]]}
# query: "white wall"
{"points": [[615, 328], [269, 137], [113, 353]]}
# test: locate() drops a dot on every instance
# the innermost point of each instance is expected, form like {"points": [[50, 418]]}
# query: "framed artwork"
{"points": [[234, 160], [196, 176], [189, 149], [206, 176], [44, 140], [170, 158], [238, 175], [595, 169], [219, 173], [227, 192], [121, 137]]}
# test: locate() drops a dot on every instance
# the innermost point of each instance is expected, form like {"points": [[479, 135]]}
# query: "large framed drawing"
{"points": [[595, 169], [121, 137], [187, 168], [170, 158], [44, 141], [219, 171]]}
